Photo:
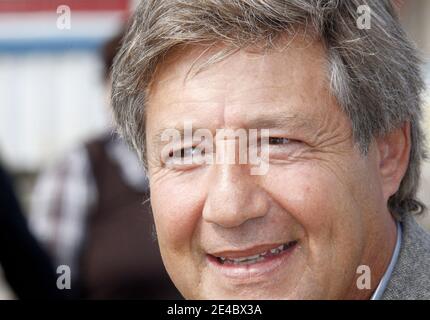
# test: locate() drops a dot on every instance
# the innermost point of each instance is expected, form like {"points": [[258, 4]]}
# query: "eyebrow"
{"points": [[280, 120]]}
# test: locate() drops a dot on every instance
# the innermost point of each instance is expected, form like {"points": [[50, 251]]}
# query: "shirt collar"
{"points": [[387, 275]]}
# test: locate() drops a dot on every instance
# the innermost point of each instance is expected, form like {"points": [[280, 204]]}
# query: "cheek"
{"points": [[177, 210], [313, 196], [325, 206]]}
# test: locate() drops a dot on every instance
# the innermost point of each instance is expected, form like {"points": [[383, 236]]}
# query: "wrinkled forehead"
{"points": [[251, 87], [188, 60]]}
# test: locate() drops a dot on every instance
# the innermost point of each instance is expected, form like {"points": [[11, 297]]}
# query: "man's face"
{"points": [[218, 225]]}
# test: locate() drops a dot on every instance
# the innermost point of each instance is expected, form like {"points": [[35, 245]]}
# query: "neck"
{"points": [[377, 255]]}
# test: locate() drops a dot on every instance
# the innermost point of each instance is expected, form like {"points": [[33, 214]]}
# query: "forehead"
{"points": [[290, 79]]}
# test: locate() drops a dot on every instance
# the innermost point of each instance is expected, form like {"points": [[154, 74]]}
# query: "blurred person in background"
{"points": [[91, 213], [27, 267]]}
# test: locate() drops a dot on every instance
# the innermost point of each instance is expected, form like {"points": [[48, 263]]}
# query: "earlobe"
{"points": [[393, 151]]}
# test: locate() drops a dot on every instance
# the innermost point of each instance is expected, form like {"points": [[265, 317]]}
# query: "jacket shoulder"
{"points": [[410, 279]]}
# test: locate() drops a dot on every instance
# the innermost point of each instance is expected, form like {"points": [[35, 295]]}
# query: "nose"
{"points": [[234, 197]]}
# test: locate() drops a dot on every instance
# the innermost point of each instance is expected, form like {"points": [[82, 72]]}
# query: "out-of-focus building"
{"points": [[50, 85]]}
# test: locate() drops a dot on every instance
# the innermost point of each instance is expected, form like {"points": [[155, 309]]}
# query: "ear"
{"points": [[393, 155]]}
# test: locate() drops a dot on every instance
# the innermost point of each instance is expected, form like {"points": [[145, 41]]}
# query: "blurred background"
{"points": [[53, 93], [80, 188], [51, 81]]}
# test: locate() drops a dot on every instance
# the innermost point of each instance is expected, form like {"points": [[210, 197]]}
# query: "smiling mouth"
{"points": [[238, 259]]}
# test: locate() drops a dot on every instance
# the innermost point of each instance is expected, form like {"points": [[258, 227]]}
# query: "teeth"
{"points": [[247, 258], [278, 249], [254, 258], [248, 261]]}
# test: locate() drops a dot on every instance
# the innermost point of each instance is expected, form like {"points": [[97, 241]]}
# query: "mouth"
{"points": [[253, 262]]}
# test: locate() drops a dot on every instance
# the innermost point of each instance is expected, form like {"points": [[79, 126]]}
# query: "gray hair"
{"points": [[374, 73]]}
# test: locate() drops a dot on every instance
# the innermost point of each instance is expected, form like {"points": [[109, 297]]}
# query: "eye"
{"points": [[186, 152], [278, 141], [283, 148], [186, 158]]}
